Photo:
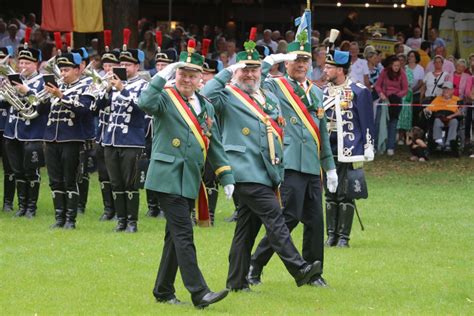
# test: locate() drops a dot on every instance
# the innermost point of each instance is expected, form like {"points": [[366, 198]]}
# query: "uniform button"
{"points": [[304, 140]]}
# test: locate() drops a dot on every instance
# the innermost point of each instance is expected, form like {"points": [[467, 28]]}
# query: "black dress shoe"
{"points": [[254, 275], [211, 298], [243, 289], [7, 207], [69, 225], [308, 272], [343, 243], [318, 282], [171, 301], [331, 241]]}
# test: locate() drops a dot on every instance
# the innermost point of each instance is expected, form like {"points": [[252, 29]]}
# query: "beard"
{"points": [[246, 87]]}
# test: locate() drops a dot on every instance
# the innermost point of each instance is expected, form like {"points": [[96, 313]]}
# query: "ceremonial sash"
{"points": [[202, 208], [255, 108], [301, 110]]}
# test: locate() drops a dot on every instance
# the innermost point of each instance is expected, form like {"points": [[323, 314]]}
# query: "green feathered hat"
{"points": [[250, 55], [190, 58], [300, 46]]}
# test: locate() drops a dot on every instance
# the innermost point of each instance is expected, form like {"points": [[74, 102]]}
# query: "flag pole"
{"points": [[425, 13]]}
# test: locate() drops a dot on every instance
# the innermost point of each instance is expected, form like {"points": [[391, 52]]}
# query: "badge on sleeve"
{"points": [[320, 113]]}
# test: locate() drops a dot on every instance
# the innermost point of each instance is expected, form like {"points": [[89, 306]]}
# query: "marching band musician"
{"points": [[109, 60], [124, 137], [64, 137], [162, 59], [24, 132], [8, 175], [86, 151], [348, 108]]}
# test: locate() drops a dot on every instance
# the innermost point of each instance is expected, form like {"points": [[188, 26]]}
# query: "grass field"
{"points": [[415, 256]]}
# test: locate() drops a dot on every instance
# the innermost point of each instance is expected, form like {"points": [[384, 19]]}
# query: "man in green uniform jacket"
{"points": [[252, 137], [307, 150], [186, 132]]}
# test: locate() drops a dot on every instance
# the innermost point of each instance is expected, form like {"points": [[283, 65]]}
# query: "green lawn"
{"points": [[415, 256]]}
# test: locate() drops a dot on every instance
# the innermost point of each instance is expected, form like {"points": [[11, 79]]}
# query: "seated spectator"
{"points": [[415, 41], [319, 60], [417, 143], [231, 52], [359, 70], [12, 38], [267, 40], [434, 80], [436, 41], [444, 111], [462, 82], [424, 51], [448, 66]]}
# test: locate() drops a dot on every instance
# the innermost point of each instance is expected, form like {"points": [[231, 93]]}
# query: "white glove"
{"points": [[369, 153], [278, 58], [331, 182], [229, 190], [167, 72], [233, 68]]}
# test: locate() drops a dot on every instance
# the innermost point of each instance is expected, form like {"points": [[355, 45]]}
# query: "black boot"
{"points": [[133, 202], [21, 191], [72, 199], [345, 217], [120, 209], [331, 223], [107, 199], [153, 208], [8, 191], [83, 194], [33, 193], [59, 202], [212, 195]]}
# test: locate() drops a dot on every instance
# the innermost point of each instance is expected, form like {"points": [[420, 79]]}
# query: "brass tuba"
{"points": [[10, 95]]}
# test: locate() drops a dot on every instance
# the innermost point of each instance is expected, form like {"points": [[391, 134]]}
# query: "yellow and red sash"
{"points": [[300, 108], [202, 208], [255, 108]]}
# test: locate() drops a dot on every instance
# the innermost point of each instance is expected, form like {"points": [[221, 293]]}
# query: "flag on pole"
{"points": [[304, 23], [72, 15], [421, 3]]}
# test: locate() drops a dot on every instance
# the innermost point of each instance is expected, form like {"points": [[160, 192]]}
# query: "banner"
{"points": [[84, 16], [464, 26], [447, 31]]}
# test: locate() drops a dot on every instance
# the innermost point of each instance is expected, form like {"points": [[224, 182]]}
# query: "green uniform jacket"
{"points": [[301, 151], [177, 161], [244, 135]]}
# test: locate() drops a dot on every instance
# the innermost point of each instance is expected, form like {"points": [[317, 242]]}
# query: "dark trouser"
{"points": [[62, 161], [339, 208], [104, 180], [8, 178], [212, 186], [302, 202], [178, 251], [259, 204], [122, 169], [468, 123], [25, 160]]}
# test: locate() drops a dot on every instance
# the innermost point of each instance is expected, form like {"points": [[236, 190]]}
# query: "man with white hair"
{"points": [[253, 140], [267, 40]]}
